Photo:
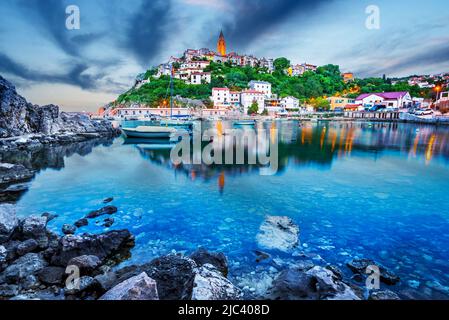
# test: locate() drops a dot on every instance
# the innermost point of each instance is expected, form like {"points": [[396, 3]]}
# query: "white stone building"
{"points": [[249, 96], [290, 103], [260, 86], [389, 99], [221, 97], [200, 77]]}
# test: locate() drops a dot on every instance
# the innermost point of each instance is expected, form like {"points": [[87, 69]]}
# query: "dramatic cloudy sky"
{"points": [[83, 69]]}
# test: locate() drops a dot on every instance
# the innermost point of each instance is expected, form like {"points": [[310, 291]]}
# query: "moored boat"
{"points": [[149, 132], [245, 123]]}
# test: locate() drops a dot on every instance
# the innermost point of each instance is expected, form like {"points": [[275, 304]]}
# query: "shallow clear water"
{"points": [[378, 191]]}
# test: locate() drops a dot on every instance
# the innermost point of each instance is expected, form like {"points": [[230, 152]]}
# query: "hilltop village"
{"points": [[205, 83]]}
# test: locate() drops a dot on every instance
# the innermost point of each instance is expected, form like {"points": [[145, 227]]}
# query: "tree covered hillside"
{"points": [[326, 81]]}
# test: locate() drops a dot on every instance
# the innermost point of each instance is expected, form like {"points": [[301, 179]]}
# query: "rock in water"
{"points": [[108, 200], [108, 222], [140, 287], [317, 283], [103, 246], [8, 221], [68, 229], [14, 173], [35, 227], [103, 211], [218, 260], [81, 223], [210, 284], [49, 216], [279, 233], [360, 266]]}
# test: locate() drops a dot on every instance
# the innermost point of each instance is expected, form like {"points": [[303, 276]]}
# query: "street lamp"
{"points": [[437, 89]]}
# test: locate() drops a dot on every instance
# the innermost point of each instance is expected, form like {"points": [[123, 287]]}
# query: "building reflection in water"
{"points": [[317, 144]]}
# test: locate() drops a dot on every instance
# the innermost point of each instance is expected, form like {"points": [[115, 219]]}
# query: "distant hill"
{"points": [[326, 81]]}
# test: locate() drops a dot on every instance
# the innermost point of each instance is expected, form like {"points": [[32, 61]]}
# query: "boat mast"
{"points": [[171, 91]]}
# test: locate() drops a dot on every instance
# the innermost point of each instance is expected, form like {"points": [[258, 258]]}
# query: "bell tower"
{"points": [[221, 47]]}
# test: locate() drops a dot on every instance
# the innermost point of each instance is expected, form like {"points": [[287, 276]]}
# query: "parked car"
{"points": [[424, 112], [392, 109], [378, 107]]}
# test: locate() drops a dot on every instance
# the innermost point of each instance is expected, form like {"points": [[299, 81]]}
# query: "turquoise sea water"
{"points": [[378, 191]]}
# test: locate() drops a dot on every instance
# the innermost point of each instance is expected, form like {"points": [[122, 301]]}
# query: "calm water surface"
{"points": [[378, 191]]}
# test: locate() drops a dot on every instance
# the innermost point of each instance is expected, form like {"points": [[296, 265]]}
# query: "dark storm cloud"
{"points": [[50, 17], [148, 29], [431, 56], [252, 18], [74, 76]]}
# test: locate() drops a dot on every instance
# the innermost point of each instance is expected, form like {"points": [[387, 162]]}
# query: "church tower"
{"points": [[221, 47]]}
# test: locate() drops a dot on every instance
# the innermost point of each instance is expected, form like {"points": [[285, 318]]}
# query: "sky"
{"points": [[85, 68]]}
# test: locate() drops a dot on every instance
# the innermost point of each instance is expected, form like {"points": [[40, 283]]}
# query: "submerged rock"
{"points": [[279, 233], [218, 260], [261, 256], [81, 223], [108, 200], [360, 266], [101, 212], [140, 287], [8, 221], [210, 284], [108, 222]]}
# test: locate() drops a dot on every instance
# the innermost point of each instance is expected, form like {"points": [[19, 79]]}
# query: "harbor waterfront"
{"points": [[355, 189]]}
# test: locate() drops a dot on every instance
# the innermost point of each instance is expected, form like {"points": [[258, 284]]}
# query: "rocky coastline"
{"points": [[38, 264], [27, 130]]}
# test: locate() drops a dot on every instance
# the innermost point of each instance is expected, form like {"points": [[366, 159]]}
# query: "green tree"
{"points": [[280, 64], [254, 108]]}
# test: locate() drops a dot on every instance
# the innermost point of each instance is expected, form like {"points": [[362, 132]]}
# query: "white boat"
{"points": [[149, 132], [245, 123]]}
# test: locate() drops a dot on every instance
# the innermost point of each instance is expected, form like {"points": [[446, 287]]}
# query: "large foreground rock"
{"points": [[28, 265], [8, 221], [317, 283], [279, 233], [35, 227], [217, 259], [210, 284], [102, 246], [140, 287], [174, 276]]}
